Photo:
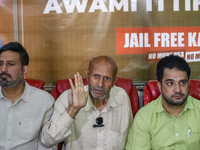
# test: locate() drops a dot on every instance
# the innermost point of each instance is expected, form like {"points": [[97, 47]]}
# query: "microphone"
{"points": [[99, 122]]}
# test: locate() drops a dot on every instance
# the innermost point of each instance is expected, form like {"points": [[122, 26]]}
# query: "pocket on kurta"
{"points": [[193, 142], [117, 140], [26, 129]]}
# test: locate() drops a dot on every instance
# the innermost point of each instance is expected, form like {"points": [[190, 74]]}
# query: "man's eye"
{"points": [[107, 78], [11, 64], [183, 82], [169, 83], [96, 76]]}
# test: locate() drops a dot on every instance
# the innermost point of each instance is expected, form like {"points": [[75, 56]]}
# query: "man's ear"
{"points": [[116, 78], [25, 71], [159, 86]]}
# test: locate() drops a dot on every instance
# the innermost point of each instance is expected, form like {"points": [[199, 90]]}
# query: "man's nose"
{"points": [[101, 82], [4, 68], [177, 88]]}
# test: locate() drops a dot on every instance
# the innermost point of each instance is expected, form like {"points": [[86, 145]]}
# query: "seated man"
{"points": [[98, 119], [23, 108], [171, 122]]}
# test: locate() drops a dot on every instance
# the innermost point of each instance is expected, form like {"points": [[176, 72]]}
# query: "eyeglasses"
{"points": [[99, 122]]}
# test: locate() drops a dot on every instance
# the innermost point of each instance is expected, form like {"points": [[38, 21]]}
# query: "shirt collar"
{"points": [[24, 95], [27, 93], [1, 94], [159, 105], [188, 105]]}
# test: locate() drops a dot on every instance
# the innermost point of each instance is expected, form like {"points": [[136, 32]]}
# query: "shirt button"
{"points": [[176, 134]]}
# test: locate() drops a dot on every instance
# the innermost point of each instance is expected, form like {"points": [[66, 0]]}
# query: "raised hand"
{"points": [[79, 96]]}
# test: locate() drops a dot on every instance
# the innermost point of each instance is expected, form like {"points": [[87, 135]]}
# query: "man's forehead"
{"points": [[103, 70], [174, 74], [170, 70], [9, 56]]}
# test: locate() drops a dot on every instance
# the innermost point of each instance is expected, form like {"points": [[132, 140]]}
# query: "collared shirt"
{"points": [[154, 129], [79, 133], [21, 122]]}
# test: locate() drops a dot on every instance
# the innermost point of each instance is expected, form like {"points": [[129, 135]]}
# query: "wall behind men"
{"points": [[61, 36]]}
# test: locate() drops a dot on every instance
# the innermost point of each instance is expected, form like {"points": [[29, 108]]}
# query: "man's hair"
{"points": [[171, 62], [105, 58], [17, 47]]}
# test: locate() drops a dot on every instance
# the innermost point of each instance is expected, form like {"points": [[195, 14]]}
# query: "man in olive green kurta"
{"points": [[172, 121]]}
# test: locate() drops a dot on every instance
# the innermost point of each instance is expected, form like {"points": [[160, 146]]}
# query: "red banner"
{"points": [[142, 40]]}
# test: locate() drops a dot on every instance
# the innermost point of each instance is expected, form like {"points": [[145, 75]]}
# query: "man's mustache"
{"points": [[99, 88], [3, 73], [178, 94]]}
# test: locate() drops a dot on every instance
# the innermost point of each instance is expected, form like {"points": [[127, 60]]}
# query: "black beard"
{"points": [[4, 83], [174, 103]]}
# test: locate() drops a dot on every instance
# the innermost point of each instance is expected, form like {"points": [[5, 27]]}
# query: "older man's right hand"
{"points": [[79, 96]]}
